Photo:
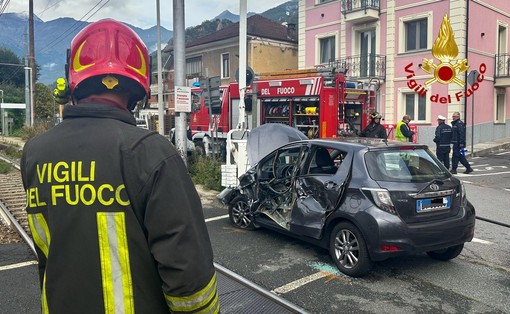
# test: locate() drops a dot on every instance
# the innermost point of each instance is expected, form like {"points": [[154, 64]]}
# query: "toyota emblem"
{"points": [[434, 187]]}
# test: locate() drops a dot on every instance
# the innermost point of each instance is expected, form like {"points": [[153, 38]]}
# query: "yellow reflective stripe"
{"points": [[44, 301], [40, 232], [115, 267], [206, 296]]}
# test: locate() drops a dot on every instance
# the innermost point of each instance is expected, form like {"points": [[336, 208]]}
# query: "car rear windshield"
{"points": [[404, 165]]}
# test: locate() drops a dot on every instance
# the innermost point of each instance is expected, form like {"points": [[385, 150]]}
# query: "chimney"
{"points": [[291, 30]]}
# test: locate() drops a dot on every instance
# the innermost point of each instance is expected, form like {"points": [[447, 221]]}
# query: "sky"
{"points": [[140, 13]]}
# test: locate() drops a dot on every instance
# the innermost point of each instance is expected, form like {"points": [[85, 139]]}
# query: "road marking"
{"points": [[472, 174], [298, 283], [480, 241], [216, 218], [18, 265], [504, 153]]}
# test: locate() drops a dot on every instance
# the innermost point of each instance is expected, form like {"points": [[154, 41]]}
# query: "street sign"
{"points": [[472, 77], [182, 99]]}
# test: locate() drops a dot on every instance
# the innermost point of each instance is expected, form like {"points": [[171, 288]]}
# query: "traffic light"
{"points": [[214, 95]]}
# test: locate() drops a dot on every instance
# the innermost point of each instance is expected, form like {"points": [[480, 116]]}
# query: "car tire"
{"points": [[446, 254], [349, 251], [239, 213]]}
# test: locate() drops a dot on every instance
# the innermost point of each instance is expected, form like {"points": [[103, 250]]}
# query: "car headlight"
{"points": [[382, 199]]}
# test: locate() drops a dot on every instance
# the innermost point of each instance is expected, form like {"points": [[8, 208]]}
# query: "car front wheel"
{"points": [[240, 214], [446, 254], [349, 250]]}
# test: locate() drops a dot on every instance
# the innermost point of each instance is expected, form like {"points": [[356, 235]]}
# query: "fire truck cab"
{"points": [[318, 102]]}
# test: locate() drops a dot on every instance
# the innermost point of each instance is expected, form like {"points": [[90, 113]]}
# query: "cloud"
{"points": [[135, 12]]}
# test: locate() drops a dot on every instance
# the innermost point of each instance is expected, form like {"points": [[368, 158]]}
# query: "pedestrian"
{"points": [[374, 129], [117, 222], [443, 138], [403, 133], [459, 144]]}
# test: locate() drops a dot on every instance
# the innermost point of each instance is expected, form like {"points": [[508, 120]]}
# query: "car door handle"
{"points": [[330, 185]]}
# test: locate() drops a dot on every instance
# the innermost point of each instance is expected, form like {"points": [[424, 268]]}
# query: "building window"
{"points": [[225, 65], [327, 49], [194, 67], [415, 32], [415, 106], [416, 35]]}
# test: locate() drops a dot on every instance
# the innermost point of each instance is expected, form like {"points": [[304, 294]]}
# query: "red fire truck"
{"points": [[319, 102]]}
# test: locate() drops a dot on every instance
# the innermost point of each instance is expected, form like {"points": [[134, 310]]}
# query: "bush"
{"points": [[205, 171], [38, 128], [5, 167]]}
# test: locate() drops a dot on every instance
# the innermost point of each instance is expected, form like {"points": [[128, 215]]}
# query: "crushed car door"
{"points": [[319, 189], [276, 192]]}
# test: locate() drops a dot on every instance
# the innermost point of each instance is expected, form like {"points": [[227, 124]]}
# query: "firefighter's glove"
{"points": [[61, 92]]}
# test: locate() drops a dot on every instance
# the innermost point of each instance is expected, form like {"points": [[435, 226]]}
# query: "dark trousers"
{"points": [[457, 157], [443, 154]]}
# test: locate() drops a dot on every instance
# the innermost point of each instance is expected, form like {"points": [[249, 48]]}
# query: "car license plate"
{"points": [[432, 204]]}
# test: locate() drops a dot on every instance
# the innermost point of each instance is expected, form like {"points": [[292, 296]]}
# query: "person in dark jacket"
{"points": [[116, 220], [374, 129], [443, 138], [403, 133], [459, 143]]}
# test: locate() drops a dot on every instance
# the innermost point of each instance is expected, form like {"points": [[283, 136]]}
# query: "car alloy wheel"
{"points": [[349, 251], [239, 213]]}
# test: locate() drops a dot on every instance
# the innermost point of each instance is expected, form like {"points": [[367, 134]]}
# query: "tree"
{"points": [[11, 68], [45, 105]]}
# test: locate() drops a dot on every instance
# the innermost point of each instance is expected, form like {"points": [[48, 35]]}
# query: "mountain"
{"points": [[285, 13], [53, 38]]}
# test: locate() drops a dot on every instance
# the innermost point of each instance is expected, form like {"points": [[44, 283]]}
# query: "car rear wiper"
{"points": [[437, 181]]}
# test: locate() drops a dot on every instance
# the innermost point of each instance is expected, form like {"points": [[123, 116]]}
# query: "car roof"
{"points": [[365, 142]]}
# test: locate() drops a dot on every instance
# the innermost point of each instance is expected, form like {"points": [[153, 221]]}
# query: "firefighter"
{"points": [[374, 129], [403, 133], [117, 222]]}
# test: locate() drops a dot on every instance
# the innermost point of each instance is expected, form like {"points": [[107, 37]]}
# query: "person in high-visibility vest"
{"points": [[403, 133], [116, 220]]}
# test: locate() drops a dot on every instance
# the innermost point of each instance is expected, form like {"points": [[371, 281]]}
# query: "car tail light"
{"points": [[389, 248], [382, 199], [463, 198]]}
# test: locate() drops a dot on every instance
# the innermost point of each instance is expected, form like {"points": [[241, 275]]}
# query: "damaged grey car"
{"points": [[363, 200]]}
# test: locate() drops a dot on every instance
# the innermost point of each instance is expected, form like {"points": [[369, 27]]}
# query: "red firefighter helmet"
{"points": [[108, 55]]}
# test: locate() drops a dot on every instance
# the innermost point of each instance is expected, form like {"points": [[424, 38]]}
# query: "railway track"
{"points": [[13, 216]]}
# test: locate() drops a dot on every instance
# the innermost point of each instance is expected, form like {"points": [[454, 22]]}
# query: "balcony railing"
{"points": [[360, 11], [363, 66], [502, 70]]}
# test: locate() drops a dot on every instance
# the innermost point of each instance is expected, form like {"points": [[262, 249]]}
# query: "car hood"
{"points": [[266, 138]]}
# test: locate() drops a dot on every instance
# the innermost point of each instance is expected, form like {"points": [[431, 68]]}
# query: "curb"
{"points": [[487, 151]]}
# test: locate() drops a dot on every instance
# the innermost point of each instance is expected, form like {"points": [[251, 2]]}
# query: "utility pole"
{"points": [[242, 63], [181, 139], [31, 57], [161, 106]]}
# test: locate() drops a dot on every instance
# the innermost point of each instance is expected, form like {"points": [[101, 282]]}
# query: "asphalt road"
{"points": [[478, 281]]}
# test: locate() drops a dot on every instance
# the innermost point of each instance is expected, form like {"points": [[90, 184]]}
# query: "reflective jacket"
{"points": [[403, 133], [117, 222]]}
